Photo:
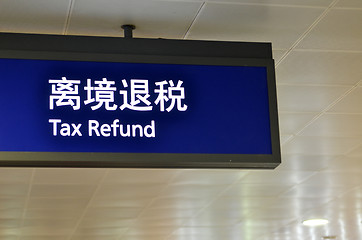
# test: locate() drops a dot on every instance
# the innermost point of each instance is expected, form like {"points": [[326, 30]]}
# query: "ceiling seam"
{"points": [[267, 4], [326, 113], [326, 50], [349, 8], [323, 112], [331, 105], [26, 203], [193, 21], [310, 28], [352, 149], [151, 202], [217, 196], [314, 85], [69, 14], [76, 226]]}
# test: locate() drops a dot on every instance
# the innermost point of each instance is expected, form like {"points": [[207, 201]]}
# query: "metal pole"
{"points": [[128, 30]]}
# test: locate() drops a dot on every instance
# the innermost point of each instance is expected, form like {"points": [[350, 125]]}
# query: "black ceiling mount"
{"points": [[128, 29]]}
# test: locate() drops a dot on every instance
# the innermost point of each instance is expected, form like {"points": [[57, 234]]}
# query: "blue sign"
{"points": [[119, 107]]}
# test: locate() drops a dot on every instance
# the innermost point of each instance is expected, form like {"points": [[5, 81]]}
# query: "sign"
{"points": [[136, 111]]}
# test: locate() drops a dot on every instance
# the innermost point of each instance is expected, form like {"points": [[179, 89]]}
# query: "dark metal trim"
{"points": [[79, 48], [128, 30], [134, 46]]}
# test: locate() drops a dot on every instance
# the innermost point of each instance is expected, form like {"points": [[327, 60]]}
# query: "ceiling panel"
{"points": [[120, 201], [306, 162], [208, 177], [234, 202], [211, 220], [320, 67], [68, 176], [333, 125], [310, 191], [255, 190], [53, 214], [14, 190], [90, 237], [321, 145], [276, 213], [170, 212], [211, 232], [143, 231], [154, 19], [35, 16], [196, 191], [348, 164], [108, 232], [317, 48], [46, 230], [100, 222], [161, 222], [340, 178], [61, 203], [62, 190], [9, 223], [291, 123], [336, 225], [11, 202], [128, 191], [355, 152], [42, 237], [278, 55], [11, 213], [260, 223], [349, 4], [299, 204], [284, 139], [322, 3], [275, 177], [179, 202], [253, 23], [134, 176], [112, 212], [332, 32], [354, 198], [294, 231], [15, 175], [138, 237], [303, 98], [350, 103], [225, 215]]}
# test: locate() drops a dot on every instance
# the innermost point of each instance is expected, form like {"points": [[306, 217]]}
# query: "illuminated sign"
{"points": [[136, 111]]}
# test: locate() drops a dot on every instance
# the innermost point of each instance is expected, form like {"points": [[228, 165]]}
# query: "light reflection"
{"points": [[315, 222]]}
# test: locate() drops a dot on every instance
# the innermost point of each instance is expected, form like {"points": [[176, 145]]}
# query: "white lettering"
{"points": [[105, 129], [128, 133], [55, 121], [134, 127], [76, 129], [64, 93], [114, 127], [65, 130], [92, 126], [150, 127]]}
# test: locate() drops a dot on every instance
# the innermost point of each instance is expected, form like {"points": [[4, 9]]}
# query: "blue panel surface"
{"points": [[75, 106]]}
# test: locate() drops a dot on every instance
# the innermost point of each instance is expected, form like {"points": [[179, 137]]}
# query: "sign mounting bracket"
{"points": [[128, 30]]}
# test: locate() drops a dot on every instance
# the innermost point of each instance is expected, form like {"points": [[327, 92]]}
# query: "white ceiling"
{"points": [[318, 50]]}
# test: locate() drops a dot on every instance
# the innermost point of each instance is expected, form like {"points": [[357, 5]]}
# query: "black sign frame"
{"points": [[82, 48]]}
